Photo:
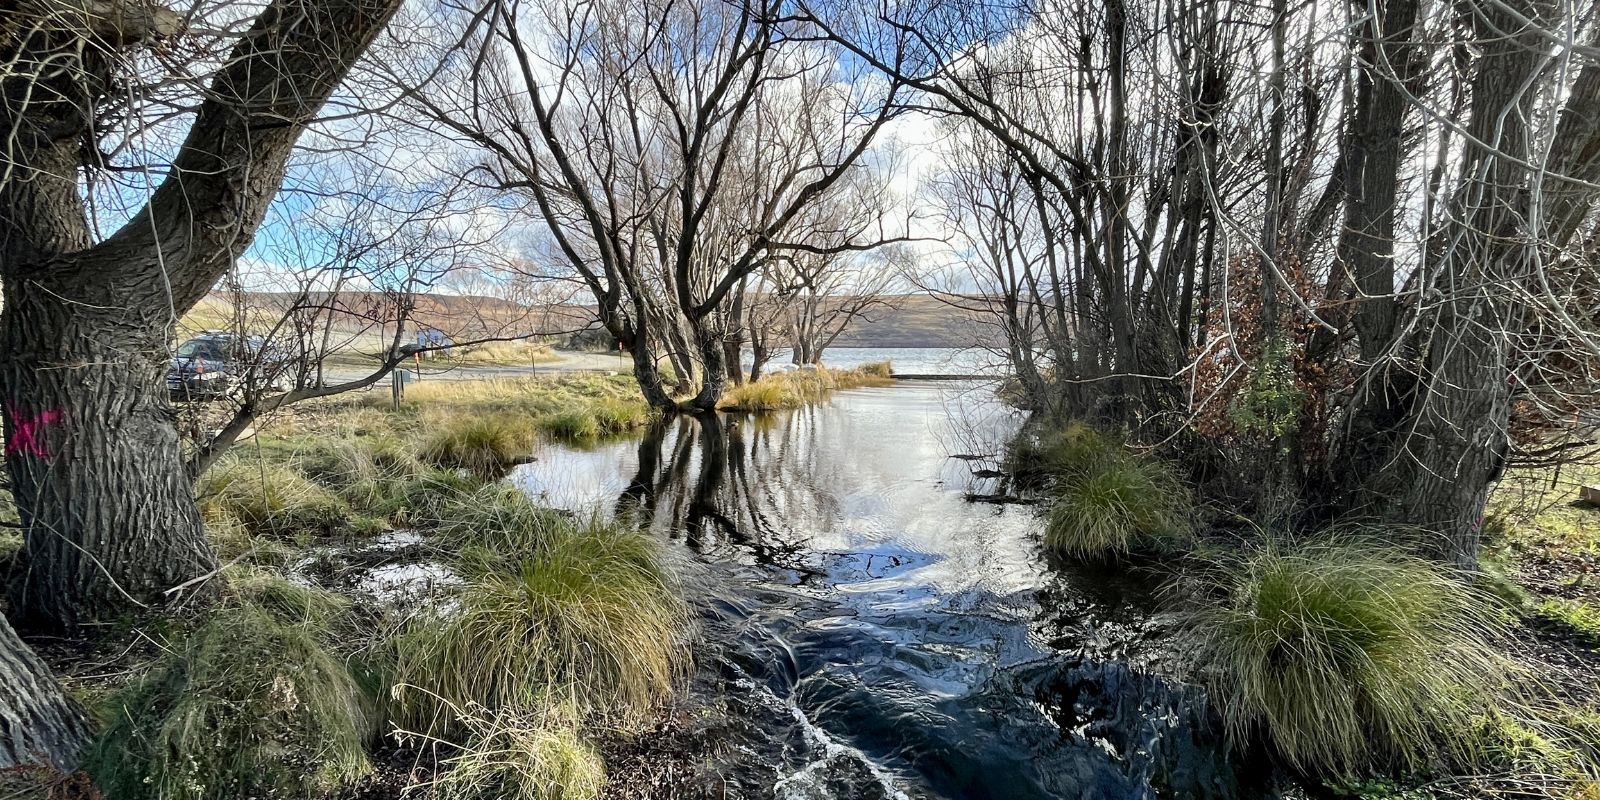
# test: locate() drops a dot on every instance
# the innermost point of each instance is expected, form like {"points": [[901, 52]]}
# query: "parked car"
{"points": [[208, 365]]}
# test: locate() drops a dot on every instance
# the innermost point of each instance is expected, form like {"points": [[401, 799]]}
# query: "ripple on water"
{"points": [[868, 633]]}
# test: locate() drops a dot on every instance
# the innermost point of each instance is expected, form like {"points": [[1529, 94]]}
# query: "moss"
{"points": [[253, 704]]}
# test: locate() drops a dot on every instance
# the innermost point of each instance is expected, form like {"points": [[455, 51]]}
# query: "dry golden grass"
{"points": [[784, 390]]}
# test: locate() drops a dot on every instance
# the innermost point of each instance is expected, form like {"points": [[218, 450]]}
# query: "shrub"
{"points": [[549, 608], [267, 498], [482, 445], [1347, 654], [252, 705], [522, 756], [1115, 506]]}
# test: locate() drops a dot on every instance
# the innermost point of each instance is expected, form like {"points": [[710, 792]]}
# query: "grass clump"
{"points": [[570, 425], [253, 704], [531, 755], [1348, 654], [802, 387], [767, 394], [877, 369], [1104, 500], [266, 498], [1122, 505], [481, 445], [550, 607]]}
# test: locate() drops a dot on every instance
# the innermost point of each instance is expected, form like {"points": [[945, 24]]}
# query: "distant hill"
{"points": [[909, 320], [917, 320]]}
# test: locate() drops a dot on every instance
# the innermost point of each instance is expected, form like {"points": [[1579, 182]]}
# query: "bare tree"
{"points": [[1372, 300], [669, 148]]}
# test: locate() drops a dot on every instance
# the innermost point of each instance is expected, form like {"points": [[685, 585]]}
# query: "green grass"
{"points": [[1124, 505], [1104, 500], [266, 498], [551, 608], [1348, 655], [485, 446], [254, 704], [529, 755], [570, 425], [1576, 616]]}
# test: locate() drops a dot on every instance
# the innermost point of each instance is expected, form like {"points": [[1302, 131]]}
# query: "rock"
{"points": [[1589, 495]]}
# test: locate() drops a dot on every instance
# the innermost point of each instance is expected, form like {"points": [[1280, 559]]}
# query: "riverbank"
{"points": [[391, 617], [1364, 668]]}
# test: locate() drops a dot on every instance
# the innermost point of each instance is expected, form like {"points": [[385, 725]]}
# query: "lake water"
{"points": [[906, 360], [869, 630]]}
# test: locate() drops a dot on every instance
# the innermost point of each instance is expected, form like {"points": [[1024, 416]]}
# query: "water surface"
{"points": [[870, 631]]}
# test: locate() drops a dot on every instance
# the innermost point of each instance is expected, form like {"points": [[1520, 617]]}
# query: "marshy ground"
{"points": [[394, 618]]}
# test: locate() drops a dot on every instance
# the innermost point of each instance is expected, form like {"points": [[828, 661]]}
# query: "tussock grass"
{"points": [[500, 519], [770, 393], [1105, 500], [1122, 505], [551, 607], [1347, 654], [877, 369], [266, 498], [802, 387], [570, 425], [485, 446], [253, 704], [526, 755], [570, 409]]}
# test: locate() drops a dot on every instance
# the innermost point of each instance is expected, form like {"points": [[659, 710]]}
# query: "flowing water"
{"points": [[876, 625]]}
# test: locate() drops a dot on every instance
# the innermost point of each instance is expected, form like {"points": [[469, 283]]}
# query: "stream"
{"points": [[875, 625]]}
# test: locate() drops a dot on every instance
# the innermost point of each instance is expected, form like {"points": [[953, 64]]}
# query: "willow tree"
{"points": [[670, 149], [1353, 287], [94, 460]]}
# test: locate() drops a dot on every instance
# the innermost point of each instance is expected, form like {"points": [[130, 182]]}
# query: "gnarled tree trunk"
{"points": [[96, 471], [38, 724]]}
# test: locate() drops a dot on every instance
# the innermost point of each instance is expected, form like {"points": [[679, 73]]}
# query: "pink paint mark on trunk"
{"points": [[28, 434]]}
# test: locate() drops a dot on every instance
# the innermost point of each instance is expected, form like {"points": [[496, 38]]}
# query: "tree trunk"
{"points": [[713, 372], [96, 470], [38, 724], [1455, 436], [648, 374], [97, 473]]}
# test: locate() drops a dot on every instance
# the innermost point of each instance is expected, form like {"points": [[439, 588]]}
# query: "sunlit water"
{"points": [[871, 632], [905, 360]]}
